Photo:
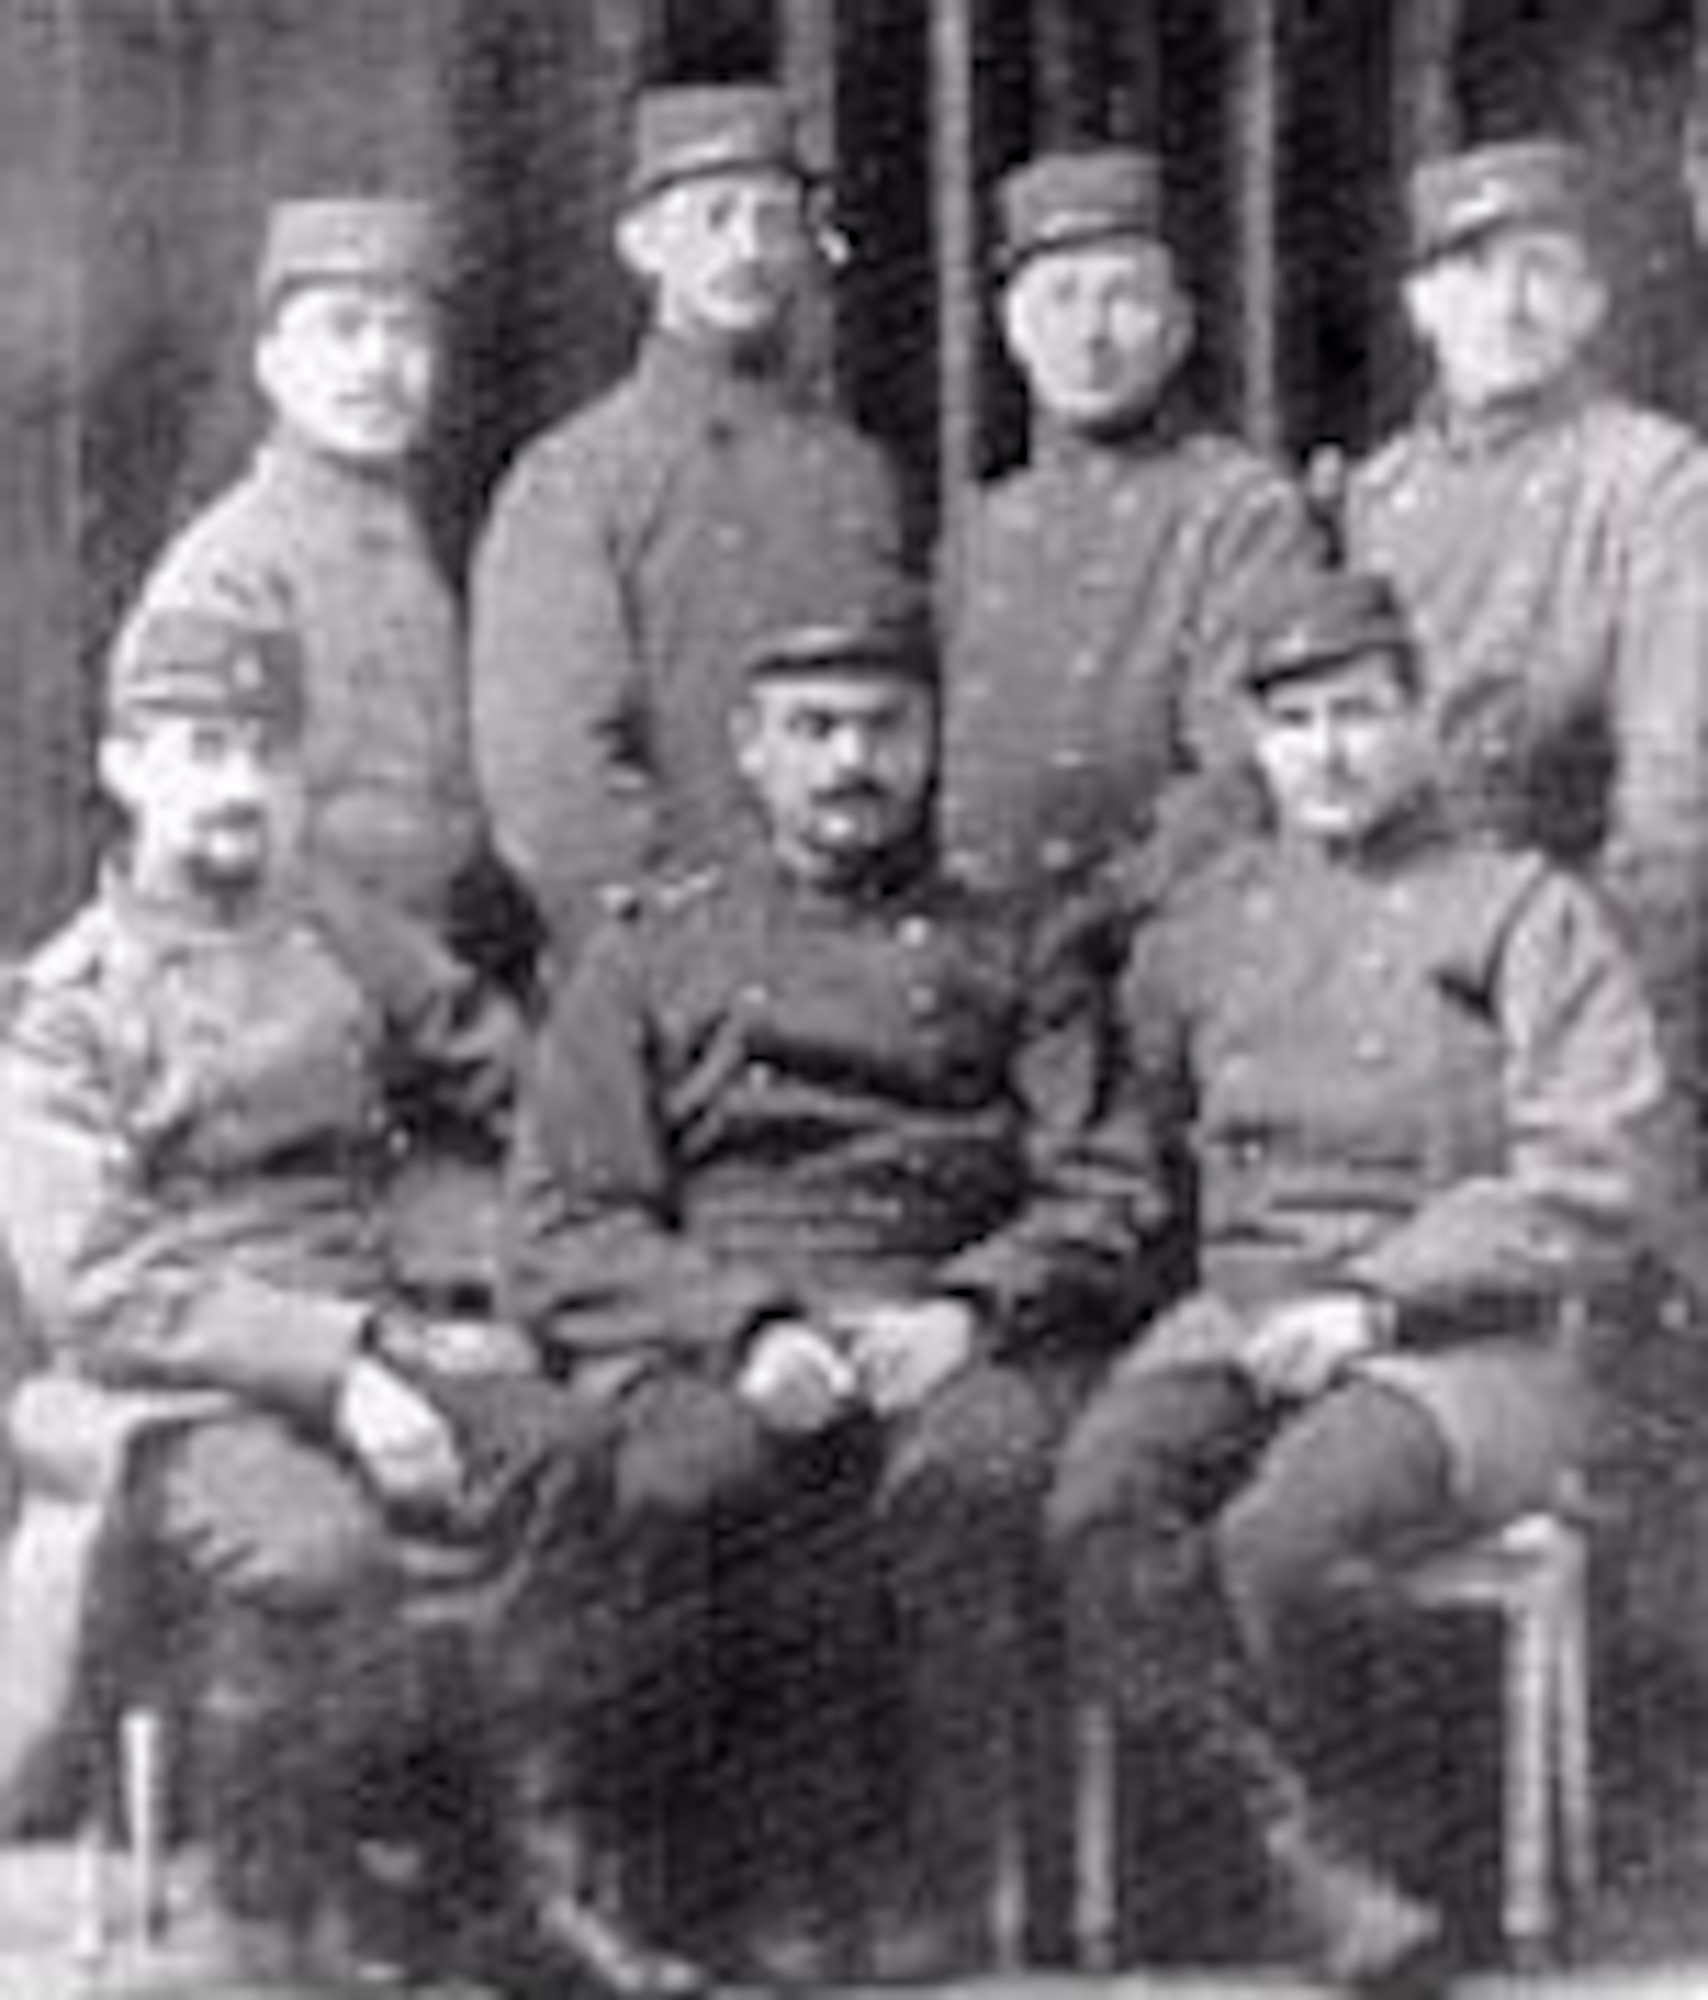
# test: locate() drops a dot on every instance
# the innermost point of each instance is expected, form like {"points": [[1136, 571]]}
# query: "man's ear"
{"points": [[1183, 327], [1419, 296], [115, 764], [264, 358], [637, 238]]}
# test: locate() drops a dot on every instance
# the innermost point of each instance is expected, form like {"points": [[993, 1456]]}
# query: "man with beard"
{"points": [[637, 550], [320, 538], [786, 1199], [1092, 606], [1414, 1082], [209, 1078]]}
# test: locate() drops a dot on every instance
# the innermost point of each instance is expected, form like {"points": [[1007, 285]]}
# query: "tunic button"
{"points": [[1083, 666], [754, 997], [914, 932], [761, 1075], [1370, 1049], [1069, 758], [921, 1001], [1058, 854]]}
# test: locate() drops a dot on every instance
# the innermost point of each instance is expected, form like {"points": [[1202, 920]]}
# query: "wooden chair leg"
{"points": [[1097, 1812], [1527, 1905], [1574, 1749], [91, 1933], [142, 1763]]}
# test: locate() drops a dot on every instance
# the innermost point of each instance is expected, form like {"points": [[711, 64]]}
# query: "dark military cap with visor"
{"points": [[1460, 198], [1316, 622], [1074, 200], [200, 663]]}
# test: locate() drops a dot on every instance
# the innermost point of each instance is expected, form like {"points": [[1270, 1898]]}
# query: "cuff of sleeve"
{"points": [[1387, 1315], [296, 1349]]}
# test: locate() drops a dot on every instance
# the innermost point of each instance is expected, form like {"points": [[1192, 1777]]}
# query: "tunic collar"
{"points": [[1416, 827], [172, 926], [1473, 434], [314, 482], [1108, 451], [894, 881], [709, 385]]}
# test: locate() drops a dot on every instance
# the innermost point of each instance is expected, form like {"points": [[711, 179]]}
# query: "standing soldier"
{"points": [[1091, 607], [637, 549], [320, 538], [1550, 541]]}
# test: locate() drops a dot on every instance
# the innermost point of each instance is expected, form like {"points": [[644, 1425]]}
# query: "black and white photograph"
{"points": [[854, 999]]}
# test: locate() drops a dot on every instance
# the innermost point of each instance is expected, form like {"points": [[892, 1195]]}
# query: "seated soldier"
{"points": [[201, 1091], [784, 1189], [1413, 1081]]}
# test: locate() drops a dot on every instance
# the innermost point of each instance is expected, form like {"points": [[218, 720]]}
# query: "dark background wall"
{"points": [[141, 141]]}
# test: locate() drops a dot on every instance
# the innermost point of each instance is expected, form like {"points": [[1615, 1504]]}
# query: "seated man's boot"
{"points": [[1356, 1925], [1359, 1927], [571, 1926], [937, 1921], [260, 1804]]}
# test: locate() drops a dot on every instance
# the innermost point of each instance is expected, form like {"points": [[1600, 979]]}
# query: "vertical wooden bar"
{"points": [[954, 156], [1135, 91], [44, 801], [807, 67], [1254, 28], [1424, 93]]}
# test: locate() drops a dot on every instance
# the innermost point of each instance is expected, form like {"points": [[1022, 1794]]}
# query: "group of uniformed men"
{"points": [[1104, 1102]]}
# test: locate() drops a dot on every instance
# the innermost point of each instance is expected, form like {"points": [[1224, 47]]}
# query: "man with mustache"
{"points": [[785, 1203], [637, 549], [320, 537], [209, 1078]]}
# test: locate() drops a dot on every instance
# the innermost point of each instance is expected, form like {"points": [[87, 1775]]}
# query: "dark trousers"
{"points": [[1213, 1540], [809, 1637], [345, 1659]]}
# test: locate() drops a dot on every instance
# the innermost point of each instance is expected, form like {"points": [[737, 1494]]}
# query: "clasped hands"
{"points": [[1304, 1347], [885, 1357], [390, 1424]]}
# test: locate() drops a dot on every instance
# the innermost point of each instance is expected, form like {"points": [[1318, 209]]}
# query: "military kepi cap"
{"points": [[1317, 621], [891, 640], [207, 663], [1068, 200], [1459, 197], [381, 240], [690, 131]]}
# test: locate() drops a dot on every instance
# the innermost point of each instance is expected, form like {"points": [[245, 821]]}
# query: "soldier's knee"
{"points": [[1094, 1476], [1275, 1557], [266, 1518], [687, 1448], [984, 1443]]}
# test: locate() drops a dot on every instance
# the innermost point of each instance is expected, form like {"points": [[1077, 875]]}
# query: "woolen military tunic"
{"points": [[1562, 548], [335, 554], [633, 555], [1426, 1072], [758, 1099], [1093, 615], [201, 1124]]}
